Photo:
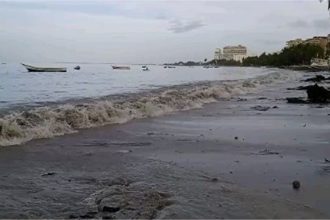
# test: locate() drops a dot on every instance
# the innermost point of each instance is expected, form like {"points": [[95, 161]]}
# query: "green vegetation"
{"points": [[224, 63], [297, 55]]}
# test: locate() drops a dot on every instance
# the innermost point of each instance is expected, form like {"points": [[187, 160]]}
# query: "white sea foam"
{"points": [[46, 122]]}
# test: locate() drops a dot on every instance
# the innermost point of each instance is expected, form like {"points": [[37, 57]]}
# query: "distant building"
{"points": [[218, 54], [295, 42], [322, 41], [237, 53], [319, 40]]}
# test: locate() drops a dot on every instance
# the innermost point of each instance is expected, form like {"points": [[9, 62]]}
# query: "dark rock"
{"points": [[73, 216], [261, 108], [89, 215], [214, 179], [296, 101], [108, 217], [317, 78], [296, 184], [110, 209], [318, 94], [299, 88]]}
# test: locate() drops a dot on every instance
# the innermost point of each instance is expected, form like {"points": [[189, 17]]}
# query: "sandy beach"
{"points": [[236, 158]]}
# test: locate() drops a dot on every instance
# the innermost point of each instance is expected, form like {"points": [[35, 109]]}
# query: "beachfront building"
{"points": [[322, 41], [318, 40], [237, 53], [217, 54], [295, 42]]}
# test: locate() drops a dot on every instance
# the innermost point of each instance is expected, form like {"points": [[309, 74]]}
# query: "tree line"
{"points": [[300, 54]]}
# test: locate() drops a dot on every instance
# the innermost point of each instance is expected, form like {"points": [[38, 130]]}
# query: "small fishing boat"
{"points": [[44, 69], [145, 68], [77, 68], [169, 67], [121, 67]]}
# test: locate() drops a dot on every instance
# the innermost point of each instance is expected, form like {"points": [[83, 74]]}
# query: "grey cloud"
{"points": [[319, 24], [298, 24], [322, 23], [178, 26]]}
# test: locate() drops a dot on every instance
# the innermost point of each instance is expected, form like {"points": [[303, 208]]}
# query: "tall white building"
{"points": [[237, 53]]}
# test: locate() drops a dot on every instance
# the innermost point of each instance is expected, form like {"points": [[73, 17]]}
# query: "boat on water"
{"points": [[145, 68], [77, 68], [44, 69], [169, 67], [121, 67]]}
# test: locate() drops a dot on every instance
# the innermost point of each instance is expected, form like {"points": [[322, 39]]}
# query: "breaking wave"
{"points": [[49, 121]]}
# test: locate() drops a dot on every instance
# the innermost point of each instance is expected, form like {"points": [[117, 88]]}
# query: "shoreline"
{"points": [[229, 159], [57, 120]]}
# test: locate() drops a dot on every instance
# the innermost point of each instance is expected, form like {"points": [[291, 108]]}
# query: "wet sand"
{"points": [[226, 160]]}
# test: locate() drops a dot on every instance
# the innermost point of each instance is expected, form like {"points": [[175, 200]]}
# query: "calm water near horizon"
{"points": [[21, 88]]}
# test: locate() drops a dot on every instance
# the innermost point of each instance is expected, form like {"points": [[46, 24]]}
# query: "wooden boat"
{"points": [[121, 67], [44, 69], [145, 68]]}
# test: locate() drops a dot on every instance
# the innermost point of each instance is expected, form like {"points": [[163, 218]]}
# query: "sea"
{"points": [[44, 105]]}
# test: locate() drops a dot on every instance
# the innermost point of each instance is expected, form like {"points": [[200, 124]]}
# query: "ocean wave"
{"points": [[55, 120]]}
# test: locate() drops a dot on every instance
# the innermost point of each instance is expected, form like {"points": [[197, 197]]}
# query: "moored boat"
{"points": [[44, 69], [121, 67], [145, 68]]}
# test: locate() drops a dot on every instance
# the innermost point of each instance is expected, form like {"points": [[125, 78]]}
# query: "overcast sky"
{"points": [[151, 31]]}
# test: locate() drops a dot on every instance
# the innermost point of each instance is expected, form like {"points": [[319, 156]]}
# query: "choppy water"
{"points": [[18, 87], [42, 105]]}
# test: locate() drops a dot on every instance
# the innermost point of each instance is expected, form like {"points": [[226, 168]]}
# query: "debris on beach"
{"points": [[241, 99], [268, 152], [48, 174], [125, 201], [261, 108], [296, 185]]}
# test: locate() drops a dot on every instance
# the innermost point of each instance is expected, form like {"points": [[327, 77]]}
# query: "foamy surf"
{"points": [[56, 120]]}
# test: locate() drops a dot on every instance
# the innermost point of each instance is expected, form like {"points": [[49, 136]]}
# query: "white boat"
{"points": [[44, 69]]}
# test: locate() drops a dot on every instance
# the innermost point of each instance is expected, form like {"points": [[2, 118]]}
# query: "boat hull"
{"points": [[44, 69], [121, 67]]}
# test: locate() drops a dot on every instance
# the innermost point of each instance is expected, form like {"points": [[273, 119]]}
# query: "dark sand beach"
{"points": [[229, 159]]}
